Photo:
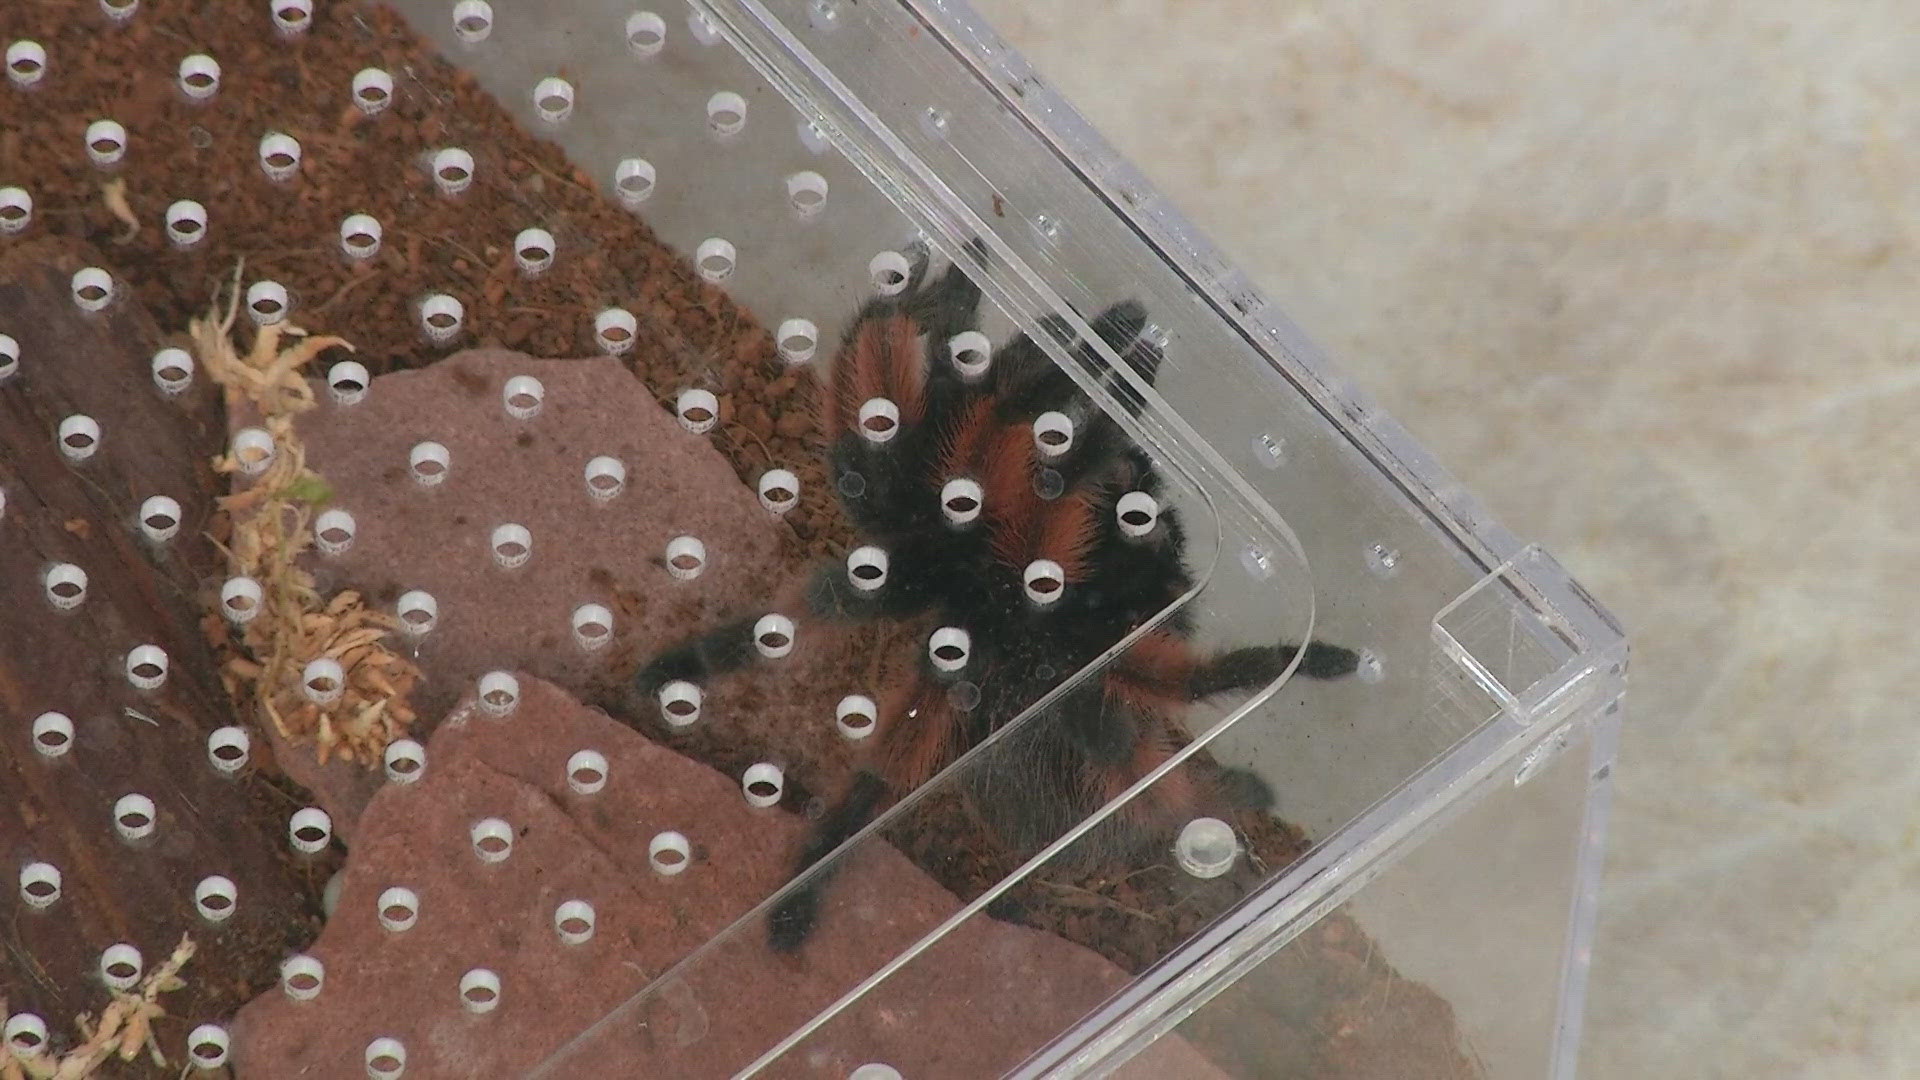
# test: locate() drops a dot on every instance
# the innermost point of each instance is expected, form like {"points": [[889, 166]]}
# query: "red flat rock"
{"points": [[718, 1013], [530, 473]]}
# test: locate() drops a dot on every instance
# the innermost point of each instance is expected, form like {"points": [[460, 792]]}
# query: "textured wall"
{"points": [[1643, 275]]}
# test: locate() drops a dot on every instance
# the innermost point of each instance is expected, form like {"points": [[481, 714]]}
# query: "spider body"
{"points": [[995, 487]]}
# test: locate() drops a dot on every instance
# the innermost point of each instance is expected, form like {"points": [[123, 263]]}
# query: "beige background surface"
{"points": [[1643, 275]]}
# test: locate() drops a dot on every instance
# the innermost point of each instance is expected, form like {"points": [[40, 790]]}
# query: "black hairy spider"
{"points": [[1020, 516]]}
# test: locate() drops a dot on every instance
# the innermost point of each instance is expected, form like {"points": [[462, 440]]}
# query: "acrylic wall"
{"points": [[1373, 857]]}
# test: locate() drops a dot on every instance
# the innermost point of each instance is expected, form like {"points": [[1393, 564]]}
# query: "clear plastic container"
{"points": [[1220, 734]]}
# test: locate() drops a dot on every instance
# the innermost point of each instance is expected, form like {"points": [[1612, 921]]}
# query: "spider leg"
{"points": [[920, 739], [795, 916], [1254, 666]]}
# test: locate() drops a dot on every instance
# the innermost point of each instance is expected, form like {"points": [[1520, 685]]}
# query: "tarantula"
{"points": [[1020, 515]]}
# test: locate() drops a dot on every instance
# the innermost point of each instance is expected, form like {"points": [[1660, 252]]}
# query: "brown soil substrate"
{"points": [[354, 164], [60, 810]]}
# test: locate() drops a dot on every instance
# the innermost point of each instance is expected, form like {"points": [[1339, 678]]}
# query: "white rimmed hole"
{"points": [[147, 667], [26, 63], [26, 1035], [266, 302], [1136, 513], [252, 450], [106, 142], [797, 339], [215, 898], [120, 966], [119, 10], [875, 1070], [698, 410], [92, 288], [680, 703], [1206, 847], [479, 990], [441, 316], [291, 17], [134, 817], [779, 490], [669, 853], [686, 557], [726, 113], [879, 420], [9, 356], [1045, 581], [499, 692], [302, 976], [360, 236], [633, 180], [240, 599], [16, 209], [702, 28], [398, 909], [279, 156], [347, 382], [309, 829], [533, 250], [1053, 434], [160, 519], [553, 99], [207, 1046], [522, 397], [418, 613], [333, 531], [39, 888], [372, 90], [473, 20], [404, 760], [960, 500], [592, 626], [79, 437], [52, 734], [715, 259], [762, 784], [199, 76], [867, 568], [856, 716], [428, 463], [605, 478], [972, 353], [66, 586], [228, 749], [614, 329], [452, 170], [949, 648], [587, 772], [511, 544], [773, 636], [573, 921], [646, 33], [889, 271], [386, 1059], [186, 223], [172, 371], [323, 681], [807, 193]]}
